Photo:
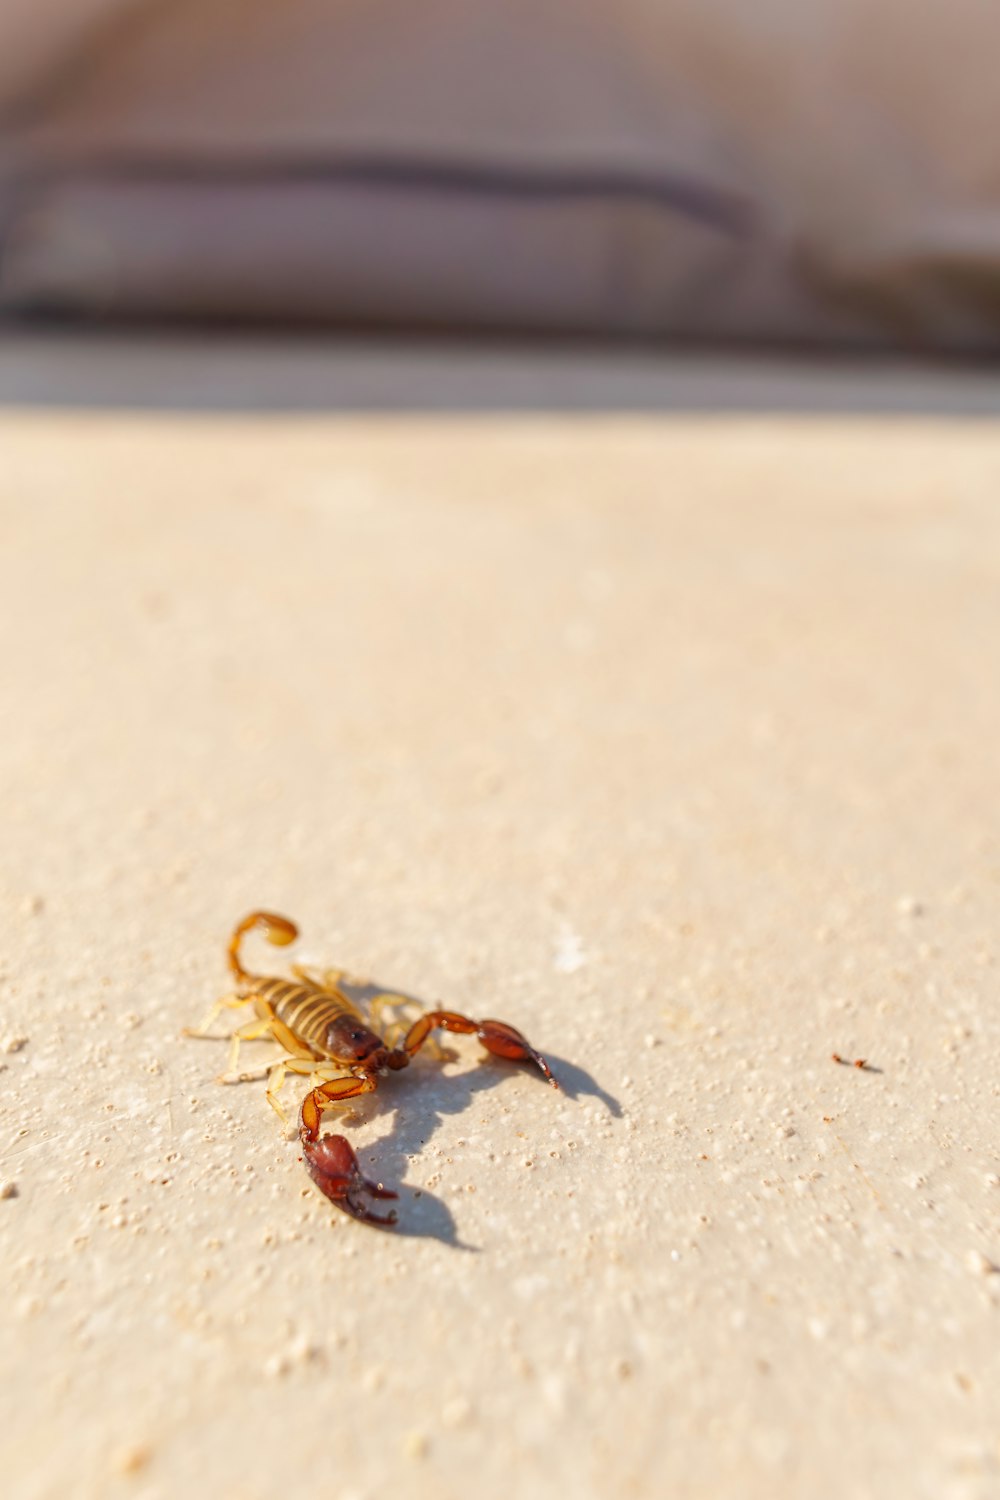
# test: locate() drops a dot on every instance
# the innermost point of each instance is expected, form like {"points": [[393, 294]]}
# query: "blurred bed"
{"points": [[810, 173]]}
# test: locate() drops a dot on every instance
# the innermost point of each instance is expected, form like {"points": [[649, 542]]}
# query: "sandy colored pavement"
{"points": [[675, 741]]}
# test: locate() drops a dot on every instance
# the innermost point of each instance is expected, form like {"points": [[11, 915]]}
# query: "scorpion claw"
{"points": [[333, 1167], [506, 1041], [363, 1212]]}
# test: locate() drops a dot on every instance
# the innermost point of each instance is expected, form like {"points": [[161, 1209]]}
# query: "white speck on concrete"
{"points": [[569, 951]]}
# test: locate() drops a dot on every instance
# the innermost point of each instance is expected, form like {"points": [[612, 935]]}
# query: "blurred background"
{"points": [[820, 173]]}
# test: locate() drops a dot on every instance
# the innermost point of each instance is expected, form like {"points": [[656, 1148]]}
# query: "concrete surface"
{"points": [[673, 741]]}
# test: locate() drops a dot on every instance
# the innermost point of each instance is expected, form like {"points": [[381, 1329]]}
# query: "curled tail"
{"points": [[278, 930]]}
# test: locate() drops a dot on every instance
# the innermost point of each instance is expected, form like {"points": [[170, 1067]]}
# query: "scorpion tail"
{"points": [[278, 930]]}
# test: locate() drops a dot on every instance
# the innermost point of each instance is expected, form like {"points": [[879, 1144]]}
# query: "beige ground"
{"points": [[673, 740]]}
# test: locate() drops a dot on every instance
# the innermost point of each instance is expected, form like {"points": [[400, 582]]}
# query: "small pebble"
{"points": [[13, 1043], [980, 1263], [415, 1445], [8, 1189], [131, 1458], [456, 1412], [303, 1350]]}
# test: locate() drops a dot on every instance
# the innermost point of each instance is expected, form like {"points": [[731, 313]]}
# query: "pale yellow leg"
{"points": [[276, 1080], [318, 1070], [264, 1070], [288, 1039], [251, 1033], [249, 1075], [394, 1033], [378, 1003], [325, 979], [308, 976], [228, 1002], [267, 1026], [334, 978]]}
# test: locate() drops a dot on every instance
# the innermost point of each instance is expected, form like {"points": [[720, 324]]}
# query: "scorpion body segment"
{"points": [[325, 1021], [322, 1031]]}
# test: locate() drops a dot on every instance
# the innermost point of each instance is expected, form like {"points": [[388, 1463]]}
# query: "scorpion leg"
{"points": [[204, 1032], [267, 1026], [330, 1159], [275, 1075], [334, 978], [496, 1036], [249, 1033], [323, 979], [378, 1003]]}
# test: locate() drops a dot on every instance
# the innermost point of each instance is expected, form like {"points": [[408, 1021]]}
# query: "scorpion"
{"points": [[323, 1032]]}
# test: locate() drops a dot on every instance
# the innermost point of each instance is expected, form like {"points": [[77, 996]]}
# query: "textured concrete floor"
{"points": [[673, 741]]}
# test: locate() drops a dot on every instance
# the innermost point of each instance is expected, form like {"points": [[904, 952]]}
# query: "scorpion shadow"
{"points": [[419, 1100]]}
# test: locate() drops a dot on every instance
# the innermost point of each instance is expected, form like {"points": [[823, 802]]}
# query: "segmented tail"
{"points": [[277, 930]]}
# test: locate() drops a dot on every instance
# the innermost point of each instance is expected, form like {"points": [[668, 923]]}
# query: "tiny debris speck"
{"points": [[415, 1445], [131, 1458]]}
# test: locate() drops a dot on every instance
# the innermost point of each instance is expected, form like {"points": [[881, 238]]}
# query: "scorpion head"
{"points": [[350, 1042]]}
